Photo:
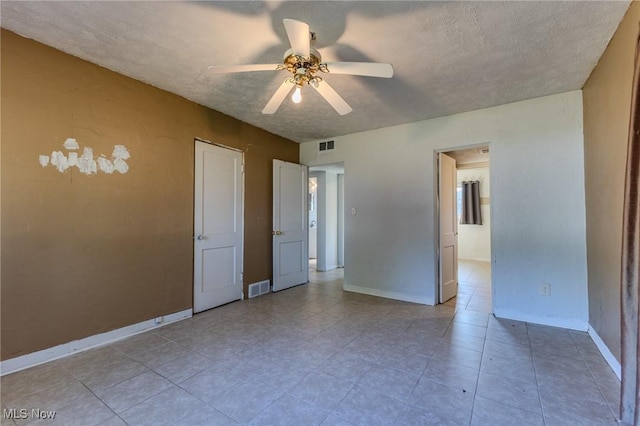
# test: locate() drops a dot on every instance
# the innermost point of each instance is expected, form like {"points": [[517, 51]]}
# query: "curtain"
{"points": [[471, 214], [630, 395]]}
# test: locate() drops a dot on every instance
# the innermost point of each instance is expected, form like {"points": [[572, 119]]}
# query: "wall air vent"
{"points": [[260, 288], [326, 146]]}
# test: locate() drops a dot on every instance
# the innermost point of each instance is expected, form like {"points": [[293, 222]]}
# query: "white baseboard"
{"points": [[606, 353], [388, 294], [476, 259], [328, 268], [40, 357], [570, 323]]}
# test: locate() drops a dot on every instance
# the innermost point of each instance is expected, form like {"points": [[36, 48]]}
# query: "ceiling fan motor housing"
{"points": [[303, 69]]}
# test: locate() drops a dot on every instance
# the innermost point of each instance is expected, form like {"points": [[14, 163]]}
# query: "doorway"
{"points": [[326, 218], [313, 221], [472, 230]]}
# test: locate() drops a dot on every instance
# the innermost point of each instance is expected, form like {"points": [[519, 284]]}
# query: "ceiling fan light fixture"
{"points": [[297, 95], [303, 63]]}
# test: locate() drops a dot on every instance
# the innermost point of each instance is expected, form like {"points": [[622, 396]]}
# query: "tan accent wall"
{"points": [[81, 254], [607, 100]]}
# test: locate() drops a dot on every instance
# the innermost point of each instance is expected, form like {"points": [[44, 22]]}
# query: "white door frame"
{"points": [[436, 212]]}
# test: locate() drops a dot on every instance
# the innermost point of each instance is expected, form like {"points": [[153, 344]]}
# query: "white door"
{"points": [[290, 217], [448, 221], [218, 226]]}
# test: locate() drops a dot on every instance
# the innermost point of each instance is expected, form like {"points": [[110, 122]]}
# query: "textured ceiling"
{"points": [[449, 57]]}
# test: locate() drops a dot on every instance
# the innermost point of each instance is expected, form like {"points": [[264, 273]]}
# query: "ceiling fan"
{"points": [[304, 62]]}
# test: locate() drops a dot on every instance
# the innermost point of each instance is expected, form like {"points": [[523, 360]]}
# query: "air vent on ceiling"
{"points": [[326, 146]]}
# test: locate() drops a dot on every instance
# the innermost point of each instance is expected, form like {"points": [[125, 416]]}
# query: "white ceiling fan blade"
{"points": [[241, 68], [299, 38], [277, 98], [370, 69], [332, 97]]}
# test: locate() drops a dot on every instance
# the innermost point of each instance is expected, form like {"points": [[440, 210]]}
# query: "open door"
{"points": [[290, 222], [218, 226], [448, 225]]}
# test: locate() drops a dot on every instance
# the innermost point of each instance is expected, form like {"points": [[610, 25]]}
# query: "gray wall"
{"points": [[537, 194]]}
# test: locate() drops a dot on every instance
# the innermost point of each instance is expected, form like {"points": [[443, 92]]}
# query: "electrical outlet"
{"points": [[159, 320], [545, 289]]}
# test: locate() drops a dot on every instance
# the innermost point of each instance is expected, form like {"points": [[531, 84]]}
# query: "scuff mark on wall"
{"points": [[86, 162], [105, 165], [73, 159], [120, 153], [59, 161], [71, 143]]}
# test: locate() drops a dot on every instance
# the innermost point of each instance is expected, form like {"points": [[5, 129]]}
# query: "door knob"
{"points": [[277, 233], [200, 237]]}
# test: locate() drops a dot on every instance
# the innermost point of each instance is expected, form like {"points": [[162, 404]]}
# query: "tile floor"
{"points": [[314, 355], [474, 287]]}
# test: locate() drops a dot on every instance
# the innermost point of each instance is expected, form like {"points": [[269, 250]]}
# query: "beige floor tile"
{"points": [[133, 391], [182, 368], [458, 377], [86, 364], [234, 404], [52, 398], [572, 409], [113, 374], [288, 410], [140, 343], [332, 420], [315, 354], [412, 416], [347, 366], [322, 390], [309, 355], [457, 355], [86, 410], [6, 419], [389, 381], [514, 390], [444, 404], [174, 406], [465, 342], [461, 329], [113, 421], [511, 336], [209, 384], [161, 355], [365, 407], [514, 351], [404, 359], [503, 365], [16, 386], [470, 317], [488, 412]]}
